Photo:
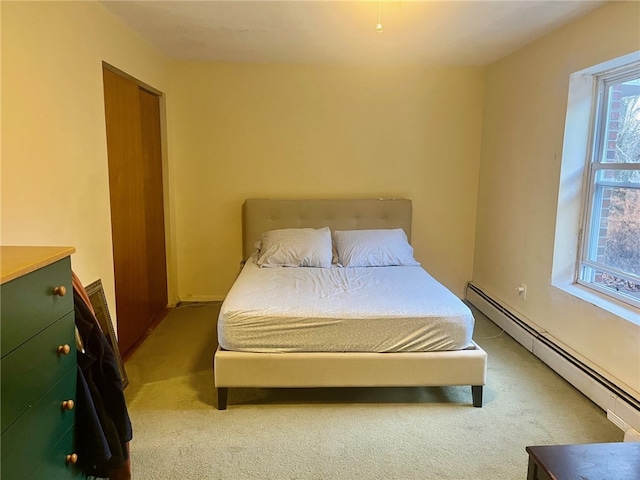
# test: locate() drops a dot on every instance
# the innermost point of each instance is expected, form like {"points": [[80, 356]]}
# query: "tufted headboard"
{"points": [[261, 215]]}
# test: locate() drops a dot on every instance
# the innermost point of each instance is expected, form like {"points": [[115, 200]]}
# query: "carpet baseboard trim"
{"points": [[604, 393]]}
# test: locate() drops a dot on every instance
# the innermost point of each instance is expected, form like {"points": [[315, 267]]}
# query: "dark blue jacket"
{"points": [[103, 427]]}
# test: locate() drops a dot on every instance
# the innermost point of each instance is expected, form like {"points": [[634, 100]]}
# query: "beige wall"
{"points": [[525, 108], [55, 187], [294, 132], [234, 131]]}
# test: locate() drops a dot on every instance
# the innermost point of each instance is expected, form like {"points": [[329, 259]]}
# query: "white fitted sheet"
{"points": [[369, 309]]}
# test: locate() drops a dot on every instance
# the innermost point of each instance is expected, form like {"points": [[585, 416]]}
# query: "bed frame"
{"points": [[338, 369]]}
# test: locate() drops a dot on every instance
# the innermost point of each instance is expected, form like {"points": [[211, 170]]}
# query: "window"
{"points": [[610, 249]]}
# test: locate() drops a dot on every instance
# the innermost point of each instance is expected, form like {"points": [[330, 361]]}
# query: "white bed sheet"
{"points": [[371, 309]]}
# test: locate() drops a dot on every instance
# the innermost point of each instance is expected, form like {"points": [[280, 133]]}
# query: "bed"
{"points": [[333, 325]]}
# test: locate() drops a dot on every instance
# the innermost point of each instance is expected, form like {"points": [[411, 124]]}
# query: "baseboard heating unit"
{"points": [[621, 407]]}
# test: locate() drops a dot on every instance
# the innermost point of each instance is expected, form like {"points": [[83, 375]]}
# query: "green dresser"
{"points": [[39, 372]]}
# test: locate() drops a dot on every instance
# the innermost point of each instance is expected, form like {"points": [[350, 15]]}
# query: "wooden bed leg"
{"points": [[476, 393], [223, 394]]}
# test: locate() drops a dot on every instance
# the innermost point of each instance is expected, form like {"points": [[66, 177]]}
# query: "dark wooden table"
{"points": [[592, 461]]}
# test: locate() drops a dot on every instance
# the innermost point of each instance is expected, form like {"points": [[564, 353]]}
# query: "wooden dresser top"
{"points": [[18, 261]]}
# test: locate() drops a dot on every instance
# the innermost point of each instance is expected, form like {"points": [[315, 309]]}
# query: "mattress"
{"points": [[372, 309]]}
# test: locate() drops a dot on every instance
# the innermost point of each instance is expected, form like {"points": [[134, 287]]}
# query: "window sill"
{"points": [[622, 310]]}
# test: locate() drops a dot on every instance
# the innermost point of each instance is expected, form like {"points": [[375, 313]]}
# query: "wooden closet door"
{"points": [[137, 218], [154, 202]]}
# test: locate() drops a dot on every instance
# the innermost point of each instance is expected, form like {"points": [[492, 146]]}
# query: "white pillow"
{"points": [[295, 247], [373, 248]]}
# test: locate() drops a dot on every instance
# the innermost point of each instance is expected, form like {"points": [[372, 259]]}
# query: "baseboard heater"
{"points": [[621, 407]]}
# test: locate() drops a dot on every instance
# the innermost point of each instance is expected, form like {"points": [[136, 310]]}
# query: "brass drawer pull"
{"points": [[60, 291], [72, 459], [64, 349], [68, 405]]}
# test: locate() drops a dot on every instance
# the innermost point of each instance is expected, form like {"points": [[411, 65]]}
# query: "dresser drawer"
{"points": [[31, 369], [28, 304], [55, 465], [30, 439]]}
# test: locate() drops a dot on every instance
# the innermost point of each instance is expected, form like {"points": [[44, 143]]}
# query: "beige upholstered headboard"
{"points": [[261, 215]]}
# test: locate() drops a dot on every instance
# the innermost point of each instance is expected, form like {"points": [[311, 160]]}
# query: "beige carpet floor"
{"points": [[351, 433]]}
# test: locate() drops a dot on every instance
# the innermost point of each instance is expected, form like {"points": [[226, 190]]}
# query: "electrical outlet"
{"points": [[522, 291]]}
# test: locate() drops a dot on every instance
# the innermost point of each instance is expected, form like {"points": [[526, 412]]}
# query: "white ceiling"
{"points": [[428, 32]]}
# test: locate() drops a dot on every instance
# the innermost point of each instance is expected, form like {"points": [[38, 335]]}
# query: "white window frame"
{"points": [[586, 267]]}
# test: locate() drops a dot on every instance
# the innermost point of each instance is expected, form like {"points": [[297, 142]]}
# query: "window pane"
{"points": [[615, 227], [610, 283], [621, 142], [628, 177]]}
